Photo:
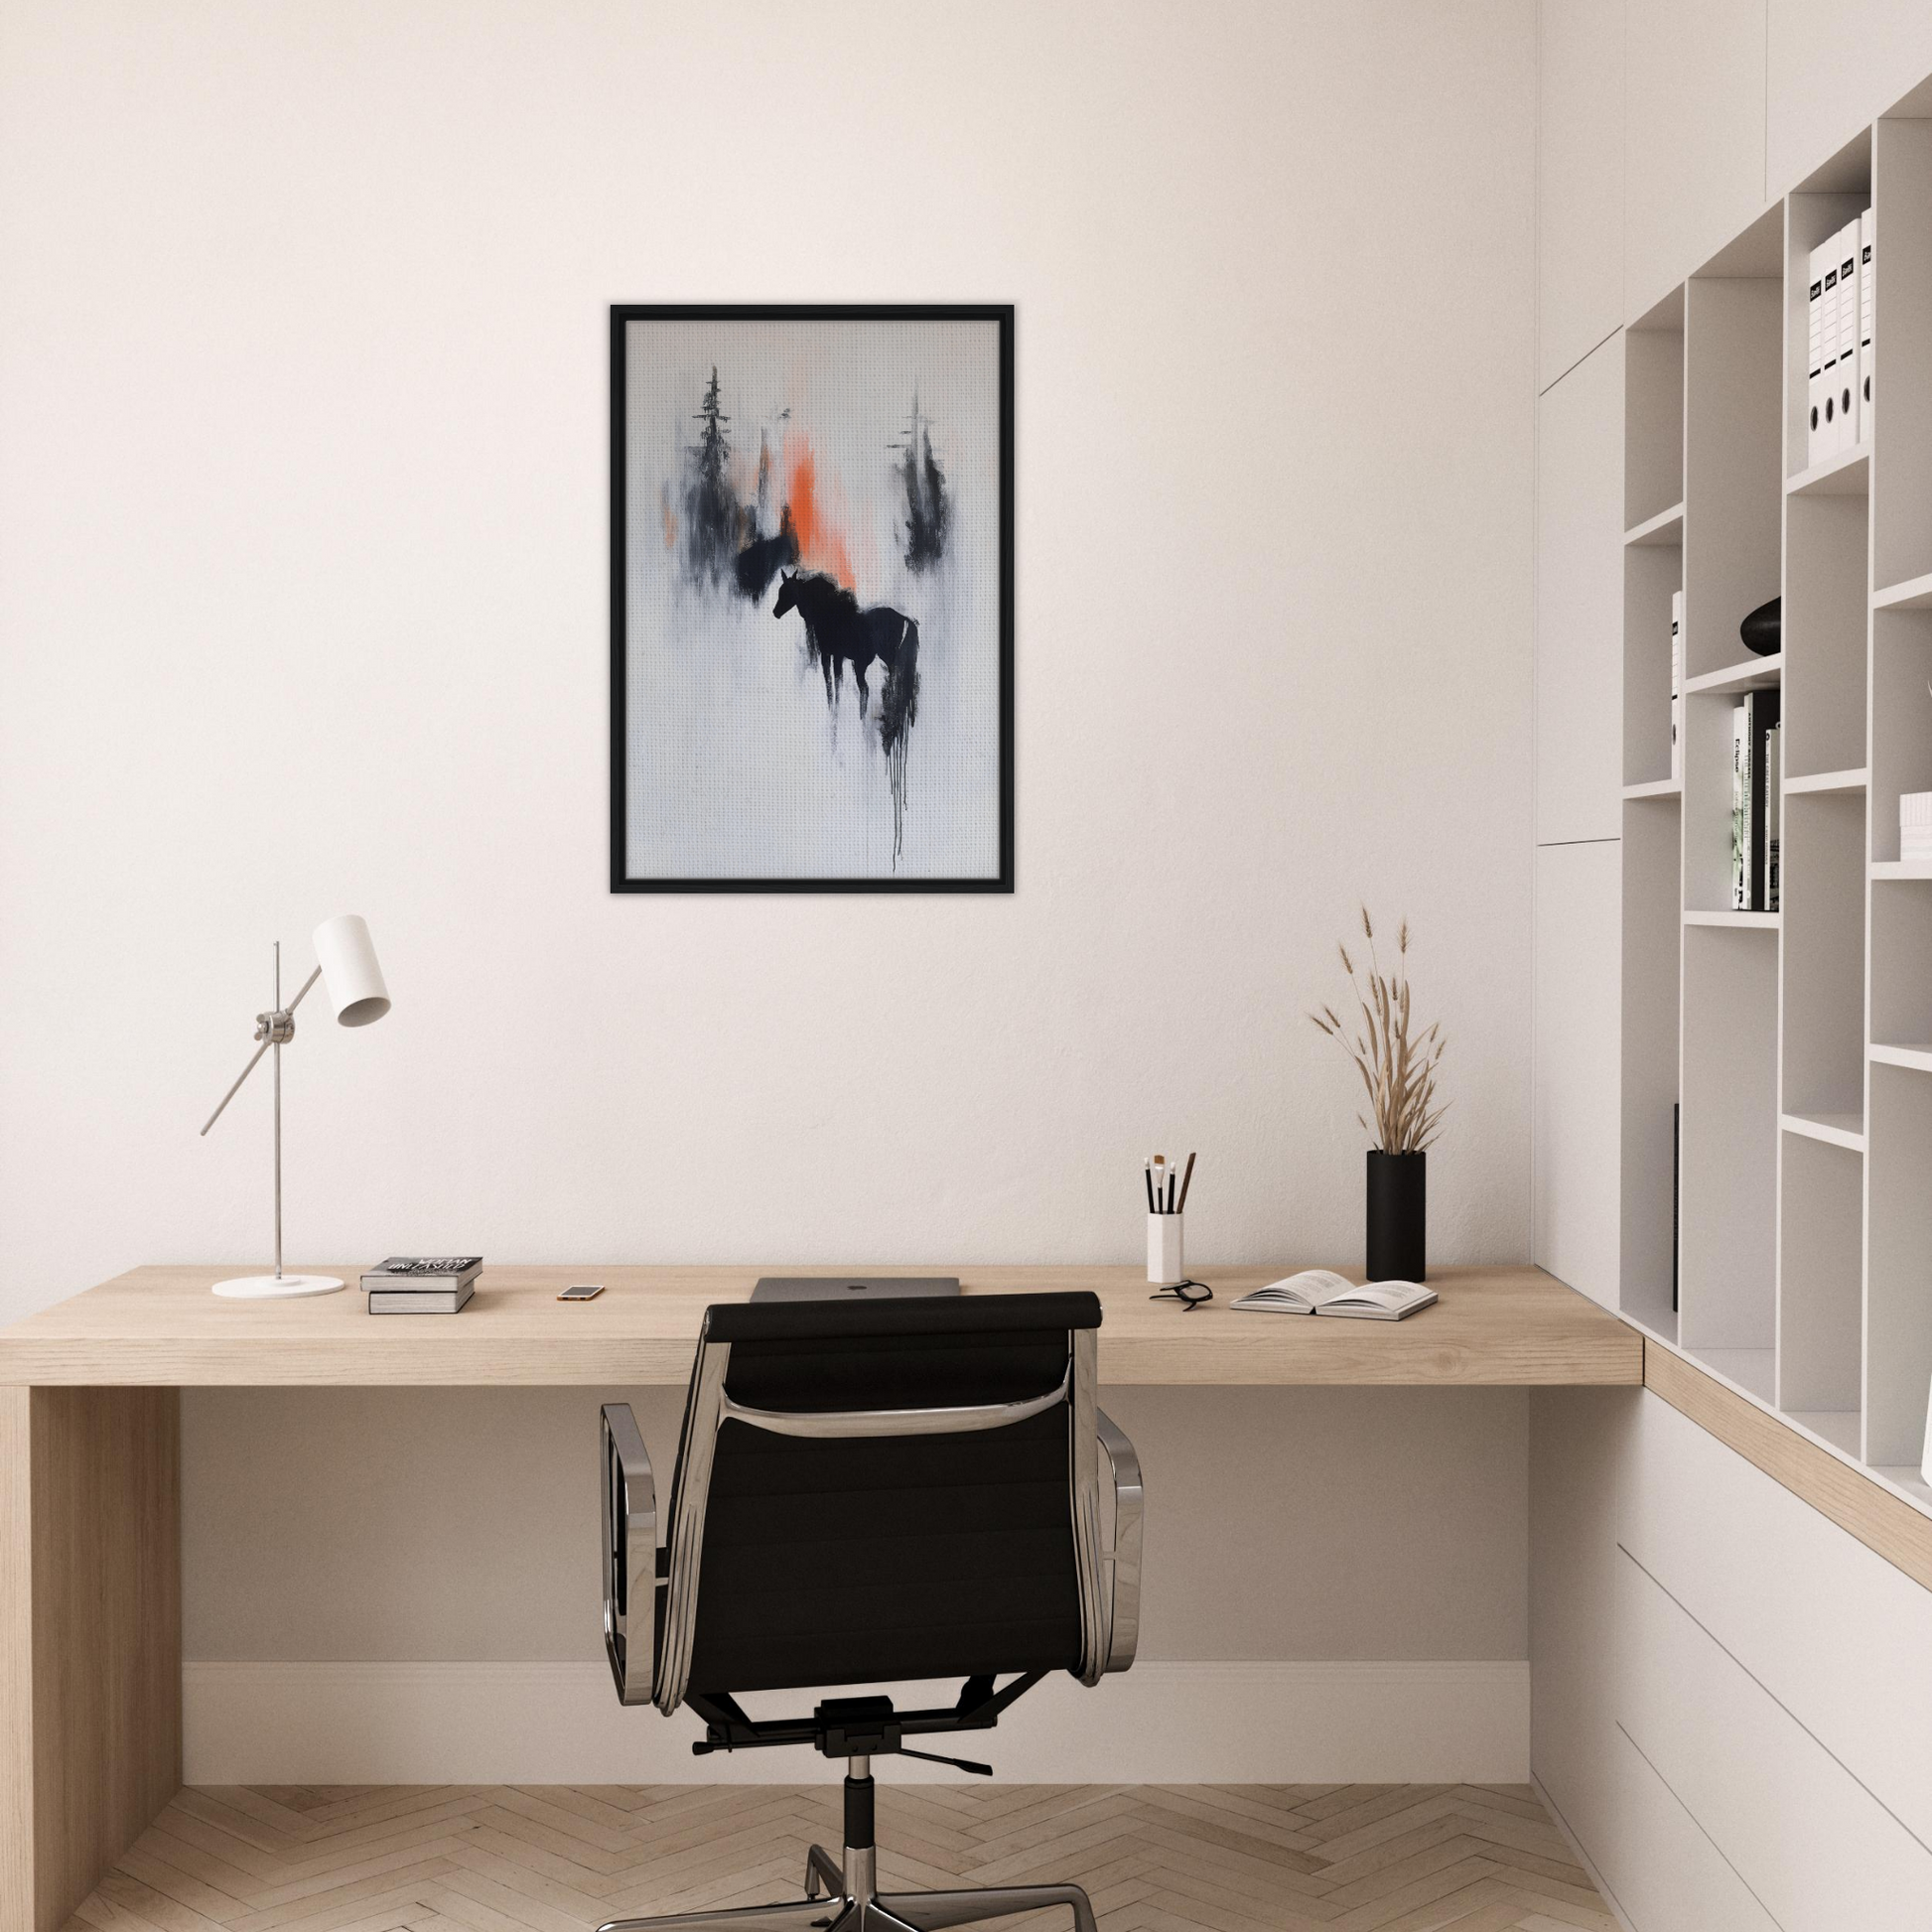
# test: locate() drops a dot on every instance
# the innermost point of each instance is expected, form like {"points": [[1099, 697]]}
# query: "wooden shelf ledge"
{"points": [[1861, 1500]]}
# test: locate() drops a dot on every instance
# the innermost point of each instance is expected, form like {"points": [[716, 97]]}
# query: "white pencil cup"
{"points": [[1164, 1249]]}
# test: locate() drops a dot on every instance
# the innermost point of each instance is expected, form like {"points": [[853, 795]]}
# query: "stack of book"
{"points": [[422, 1284], [1839, 352], [1754, 803]]}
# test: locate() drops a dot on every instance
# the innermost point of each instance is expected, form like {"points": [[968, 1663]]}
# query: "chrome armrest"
{"points": [[629, 1555], [1124, 1559]]}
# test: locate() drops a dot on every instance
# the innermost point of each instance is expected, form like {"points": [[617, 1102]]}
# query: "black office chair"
{"points": [[866, 1495]]}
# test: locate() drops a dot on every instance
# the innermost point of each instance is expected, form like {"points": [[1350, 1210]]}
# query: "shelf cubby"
{"points": [[1902, 963], [1826, 612], [1653, 433], [1898, 1310], [1901, 719], [1823, 921], [1821, 1286], [1733, 481], [1653, 939], [1729, 1083], [1707, 803], [1652, 573]]}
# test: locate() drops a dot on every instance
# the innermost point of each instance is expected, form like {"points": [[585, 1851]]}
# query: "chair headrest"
{"points": [[950, 1314]]}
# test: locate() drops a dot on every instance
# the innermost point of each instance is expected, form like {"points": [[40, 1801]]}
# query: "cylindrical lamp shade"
{"points": [[349, 975]]}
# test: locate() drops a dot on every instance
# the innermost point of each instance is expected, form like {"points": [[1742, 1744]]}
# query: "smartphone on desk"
{"points": [[582, 1292]]}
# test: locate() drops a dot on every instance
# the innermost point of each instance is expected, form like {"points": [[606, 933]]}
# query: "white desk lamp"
{"points": [[346, 965]]}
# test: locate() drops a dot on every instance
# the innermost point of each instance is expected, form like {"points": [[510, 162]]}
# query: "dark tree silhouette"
{"points": [[712, 516], [928, 512]]}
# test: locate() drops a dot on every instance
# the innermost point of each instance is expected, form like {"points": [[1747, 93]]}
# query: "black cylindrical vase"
{"points": [[1398, 1216]]}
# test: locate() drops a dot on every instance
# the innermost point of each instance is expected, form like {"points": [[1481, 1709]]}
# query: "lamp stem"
{"points": [[278, 1116]]}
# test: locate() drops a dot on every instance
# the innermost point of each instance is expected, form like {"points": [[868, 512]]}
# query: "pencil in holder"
{"points": [[1165, 1265]]}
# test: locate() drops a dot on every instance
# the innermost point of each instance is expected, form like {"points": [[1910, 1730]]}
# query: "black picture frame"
{"points": [[622, 315]]}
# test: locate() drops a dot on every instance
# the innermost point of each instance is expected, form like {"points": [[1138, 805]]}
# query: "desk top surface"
{"points": [[160, 1326]]}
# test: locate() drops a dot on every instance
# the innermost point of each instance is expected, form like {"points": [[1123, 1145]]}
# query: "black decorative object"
{"points": [[1398, 1216], [1764, 631], [811, 599]]}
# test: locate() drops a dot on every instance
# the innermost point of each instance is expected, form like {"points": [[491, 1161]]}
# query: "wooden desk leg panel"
{"points": [[89, 1637]]}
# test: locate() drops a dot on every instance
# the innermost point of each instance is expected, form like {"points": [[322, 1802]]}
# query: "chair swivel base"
{"points": [[848, 1905]]}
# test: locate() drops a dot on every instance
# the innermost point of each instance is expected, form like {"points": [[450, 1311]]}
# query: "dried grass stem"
{"points": [[1398, 1067]]}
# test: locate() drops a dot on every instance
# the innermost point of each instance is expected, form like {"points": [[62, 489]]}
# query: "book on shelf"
{"points": [[1761, 719], [1753, 819], [1677, 687], [1868, 235], [1826, 260], [420, 1301], [1815, 358], [1848, 336], [1321, 1291], [1773, 807], [1741, 811]]}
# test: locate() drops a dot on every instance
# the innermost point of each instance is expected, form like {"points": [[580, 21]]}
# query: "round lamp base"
{"points": [[276, 1288]]}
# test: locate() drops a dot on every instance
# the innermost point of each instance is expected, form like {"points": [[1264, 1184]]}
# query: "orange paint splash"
{"points": [[821, 544]]}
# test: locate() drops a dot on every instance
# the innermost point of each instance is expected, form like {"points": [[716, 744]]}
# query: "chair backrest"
{"points": [[885, 1491]]}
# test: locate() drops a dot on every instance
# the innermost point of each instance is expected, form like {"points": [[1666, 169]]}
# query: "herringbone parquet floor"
{"points": [[563, 1857]]}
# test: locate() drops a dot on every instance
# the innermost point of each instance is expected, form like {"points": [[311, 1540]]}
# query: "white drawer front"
{"points": [[1836, 1635], [1808, 1840], [1664, 1872]]}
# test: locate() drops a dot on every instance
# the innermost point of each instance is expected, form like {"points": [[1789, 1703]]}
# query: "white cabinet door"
{"points": [[1580, 602], [1575, 1115], [1833, 65], [1578, 179], [1692, 137]]}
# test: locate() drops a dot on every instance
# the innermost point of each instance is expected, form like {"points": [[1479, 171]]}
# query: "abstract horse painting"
{"points": [[844, 472], [839, 633]]}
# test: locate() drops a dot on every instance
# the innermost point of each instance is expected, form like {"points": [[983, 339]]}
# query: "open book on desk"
{"points": [[1321, 1291]]}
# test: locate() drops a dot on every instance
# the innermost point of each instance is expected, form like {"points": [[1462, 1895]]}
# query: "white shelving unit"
{"points": [[1797, 1043]]}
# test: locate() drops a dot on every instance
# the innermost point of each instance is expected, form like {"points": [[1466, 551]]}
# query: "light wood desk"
{"points": [[90, 1461]]}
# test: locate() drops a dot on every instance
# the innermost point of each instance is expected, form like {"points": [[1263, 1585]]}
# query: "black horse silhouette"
{"points": [[837, 633]]}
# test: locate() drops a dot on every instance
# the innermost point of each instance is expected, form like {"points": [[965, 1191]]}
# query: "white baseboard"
{"points": [[561, 1723]]}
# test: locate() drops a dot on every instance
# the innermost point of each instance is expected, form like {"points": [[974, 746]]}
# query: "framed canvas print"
{"points": [[811, 599]]}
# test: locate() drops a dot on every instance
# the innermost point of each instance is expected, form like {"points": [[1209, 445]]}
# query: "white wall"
{"points": [[302, 483], [301, 496]]}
